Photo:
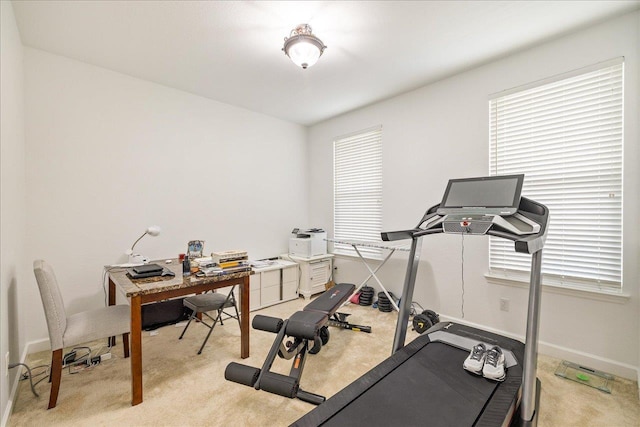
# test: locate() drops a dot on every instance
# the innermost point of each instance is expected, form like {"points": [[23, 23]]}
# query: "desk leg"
{"points": [[111, 341], [136, 351], [244, 318]]}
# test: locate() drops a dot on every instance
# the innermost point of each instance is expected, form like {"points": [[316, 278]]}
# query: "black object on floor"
{"points": [[158, 314], [425, 320], [366, 295], [384, 303]]}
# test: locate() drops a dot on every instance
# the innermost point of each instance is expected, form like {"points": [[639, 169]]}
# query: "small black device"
{"points": [[146, 270]]}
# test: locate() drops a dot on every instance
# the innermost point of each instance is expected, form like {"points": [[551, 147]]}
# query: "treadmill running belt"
{"points": [[422, 383]]}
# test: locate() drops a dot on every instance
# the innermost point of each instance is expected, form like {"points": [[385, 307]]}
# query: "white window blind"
{"points": [[357, 194], [567, 138]]}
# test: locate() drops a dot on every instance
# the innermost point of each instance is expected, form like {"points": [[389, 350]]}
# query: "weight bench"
{"points": [[310, 324]]}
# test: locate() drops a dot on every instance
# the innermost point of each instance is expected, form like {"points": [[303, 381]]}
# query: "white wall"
{"points": [[440, 132], [108, 155], [12, 200]]}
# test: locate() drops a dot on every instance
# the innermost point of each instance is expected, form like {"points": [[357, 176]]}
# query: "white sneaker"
{"points": [[475, 361], [494, 365]]}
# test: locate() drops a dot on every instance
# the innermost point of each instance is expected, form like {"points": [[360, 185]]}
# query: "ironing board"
{"points": [[392, 247]]}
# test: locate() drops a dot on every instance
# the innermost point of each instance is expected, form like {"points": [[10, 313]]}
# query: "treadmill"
{"points": [[424, 383]]}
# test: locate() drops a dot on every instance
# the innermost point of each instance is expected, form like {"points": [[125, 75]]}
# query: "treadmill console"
{"points": [[489, 195], [468, 224], [475, 205], [489, 205]]}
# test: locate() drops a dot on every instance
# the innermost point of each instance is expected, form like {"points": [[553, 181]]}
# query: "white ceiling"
{"points": [[230, 51]]}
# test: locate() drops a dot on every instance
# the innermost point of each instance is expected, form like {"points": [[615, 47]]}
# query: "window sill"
{"points": [[594, 294]]}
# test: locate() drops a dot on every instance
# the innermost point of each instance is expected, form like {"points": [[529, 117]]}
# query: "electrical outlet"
{"points": [[504, 304], [6, 364]]}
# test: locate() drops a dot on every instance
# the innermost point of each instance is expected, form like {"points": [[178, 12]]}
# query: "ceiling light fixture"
{"points": [[303, 47]]}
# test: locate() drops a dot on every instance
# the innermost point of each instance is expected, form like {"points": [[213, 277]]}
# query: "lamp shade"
{"points": [[154, 230]]}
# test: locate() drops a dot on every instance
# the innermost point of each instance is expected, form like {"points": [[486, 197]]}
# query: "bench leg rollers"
{"points": [[267, 323], [241, 374], [279, 384]]}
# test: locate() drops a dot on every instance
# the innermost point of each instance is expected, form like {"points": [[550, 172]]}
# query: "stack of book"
{"points": [[225, 263]]}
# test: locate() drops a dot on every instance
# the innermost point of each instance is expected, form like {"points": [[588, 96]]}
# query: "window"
{"points": [[566, 136], [357, 190]]}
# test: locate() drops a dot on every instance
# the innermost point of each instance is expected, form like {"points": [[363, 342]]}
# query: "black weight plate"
{"points": [[421, 323], [432, 315]]}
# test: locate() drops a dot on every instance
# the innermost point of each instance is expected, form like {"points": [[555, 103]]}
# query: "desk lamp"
{"points": [[134, 258]]}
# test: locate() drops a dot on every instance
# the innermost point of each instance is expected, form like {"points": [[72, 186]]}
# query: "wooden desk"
{"points": [[140, 293]]}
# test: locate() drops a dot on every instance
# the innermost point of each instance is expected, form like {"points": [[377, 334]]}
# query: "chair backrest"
{"points": [[52, 302]]}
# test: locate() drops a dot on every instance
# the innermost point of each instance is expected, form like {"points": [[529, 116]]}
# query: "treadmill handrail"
{"points": [[531, 243], [389, 236]]}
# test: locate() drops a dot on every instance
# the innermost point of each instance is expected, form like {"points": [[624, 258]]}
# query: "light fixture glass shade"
{"points": [[303, 47], [303, 53]]}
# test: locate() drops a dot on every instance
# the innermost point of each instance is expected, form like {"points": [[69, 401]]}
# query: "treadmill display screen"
{"points": [[494, 195]]}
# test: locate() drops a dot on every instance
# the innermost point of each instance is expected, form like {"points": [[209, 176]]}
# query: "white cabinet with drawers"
{"points": [[315, 272], [273, 284]]}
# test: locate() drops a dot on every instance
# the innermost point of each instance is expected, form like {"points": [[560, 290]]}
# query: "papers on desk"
{"points": [[204, 262], [209, 271], [219, 271], [262, 263]]}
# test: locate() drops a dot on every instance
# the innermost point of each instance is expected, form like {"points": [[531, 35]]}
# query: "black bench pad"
{"points": [[331, 300], [306, 324]]}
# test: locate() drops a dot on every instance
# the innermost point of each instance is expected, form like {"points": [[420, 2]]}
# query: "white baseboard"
{"points": [[593, 361], [30, 347], [7, 411], [16, 381], [38, 346]]}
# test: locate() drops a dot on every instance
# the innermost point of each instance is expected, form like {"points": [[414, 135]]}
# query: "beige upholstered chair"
{"points": [[78, 328]]}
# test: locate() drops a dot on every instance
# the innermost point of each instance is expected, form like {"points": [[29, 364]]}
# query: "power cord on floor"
{"points": [[33, 389], [413, 311], [73, 359], [68, 360], [88, 359]]}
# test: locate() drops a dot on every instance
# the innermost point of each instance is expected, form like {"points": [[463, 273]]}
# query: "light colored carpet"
{"points": [[182, 388]]}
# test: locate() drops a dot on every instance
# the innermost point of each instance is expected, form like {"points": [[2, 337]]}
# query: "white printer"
{"points": [[308, 243]]}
